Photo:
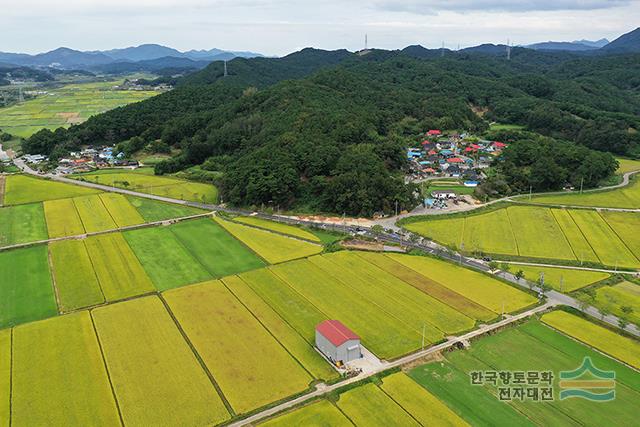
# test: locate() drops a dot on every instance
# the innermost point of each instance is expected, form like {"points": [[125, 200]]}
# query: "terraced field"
{"points": [[608, 238], [532, 346], [66, 105]]}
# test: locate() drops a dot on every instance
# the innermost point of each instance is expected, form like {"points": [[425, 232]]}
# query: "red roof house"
{"points": [[338, 343], [455, 160], [434, 132], [499, 144]]}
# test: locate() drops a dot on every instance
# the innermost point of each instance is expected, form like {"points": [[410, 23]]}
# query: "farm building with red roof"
{"points": [[338, 343], [434, 132]]}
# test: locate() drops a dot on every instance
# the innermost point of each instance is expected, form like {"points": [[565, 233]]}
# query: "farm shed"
{"points": [[337, 342]]}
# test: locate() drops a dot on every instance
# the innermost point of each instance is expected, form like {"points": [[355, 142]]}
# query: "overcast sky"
{"points": [[278, 27]]}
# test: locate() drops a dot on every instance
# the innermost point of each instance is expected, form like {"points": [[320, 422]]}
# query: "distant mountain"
{"points": [[143, 52], [627, 43], [152, 65], [566, 46], [597, 43], [487, 49], [163, 56]]}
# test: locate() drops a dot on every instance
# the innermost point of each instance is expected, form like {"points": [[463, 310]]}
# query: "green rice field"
{"points": [[26, 290], [606, 238], [22, 224], [598, 337], [614, 298], [627, 197], [66, 105], [278, 227], [141, 181], [560, 279], [531, 346], [21, 189]]}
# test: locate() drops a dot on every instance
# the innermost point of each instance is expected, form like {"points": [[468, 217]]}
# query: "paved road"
{"points": [[401, 237], [323, 389]]}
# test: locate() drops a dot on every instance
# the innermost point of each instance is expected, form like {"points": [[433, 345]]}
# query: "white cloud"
{"points": [[281, 26]]}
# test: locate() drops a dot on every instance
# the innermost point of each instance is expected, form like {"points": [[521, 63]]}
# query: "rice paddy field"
{"points": [[71, 274], [614, 298], [388, 312], [26, 290], [604, 340], [21, 189], [66, 105], [272, 247], [168, 391], [398, 400], [627, 197], [246, 377], [48, 389], [142, 181], [74, 216], [627, 165], [278, 227], [531, 346], [606, 238], [560, 279]]}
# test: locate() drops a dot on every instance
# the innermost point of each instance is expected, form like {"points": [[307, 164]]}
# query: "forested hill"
{"points": [[327, 130]]}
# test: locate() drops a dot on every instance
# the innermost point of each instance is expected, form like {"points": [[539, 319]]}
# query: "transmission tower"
{"points": [[508, 50], [20, 95], [366, 42], [225, 69], [442, 50]]}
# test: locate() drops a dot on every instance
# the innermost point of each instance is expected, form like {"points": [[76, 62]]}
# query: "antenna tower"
{"points": [[225, 69], [366, 42], [508, 50], [442, 50]]}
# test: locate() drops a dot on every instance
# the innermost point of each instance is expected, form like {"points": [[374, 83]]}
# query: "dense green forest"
{"points": [[327, 130]]}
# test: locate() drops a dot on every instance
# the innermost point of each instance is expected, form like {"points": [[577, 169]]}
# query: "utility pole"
{"points": [[423, 333], [561, 283], [461, 249], [530, 191], [581, 184], [396, 208]]}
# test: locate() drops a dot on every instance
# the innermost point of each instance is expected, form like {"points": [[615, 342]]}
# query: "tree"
{"points": [[626, 309], [584, 301], [623, 322], [519, 274]]}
